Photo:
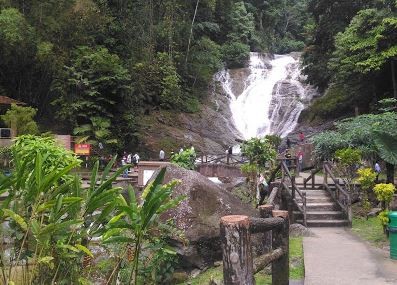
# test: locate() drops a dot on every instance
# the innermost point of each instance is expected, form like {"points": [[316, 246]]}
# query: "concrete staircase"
{"points": [[321, 209]]}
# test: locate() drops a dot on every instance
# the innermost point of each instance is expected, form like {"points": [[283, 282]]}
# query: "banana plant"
{"points": [[135, 220]]}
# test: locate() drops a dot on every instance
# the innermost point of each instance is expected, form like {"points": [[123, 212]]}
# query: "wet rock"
{"points": [[298, 230], [195, 273], [198, 216]]}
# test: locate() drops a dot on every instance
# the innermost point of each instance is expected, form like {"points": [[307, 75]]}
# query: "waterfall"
{"points": [[268, 96]]}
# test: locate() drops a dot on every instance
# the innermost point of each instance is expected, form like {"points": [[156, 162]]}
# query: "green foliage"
{"points": [[21, 118], [373, 134], [366, 178], [335, 103], [259, 151], [348, 156], [241, 24], [384, 218], [235, 54], [185, 159], [141, 219], [27, 147], [274, 140], [96, 132], [384, 192]]}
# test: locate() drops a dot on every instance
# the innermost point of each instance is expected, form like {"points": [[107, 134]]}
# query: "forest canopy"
{"points": [[101, 64]]}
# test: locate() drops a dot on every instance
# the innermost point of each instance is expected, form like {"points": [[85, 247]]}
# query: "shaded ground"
{"points": [[336, 256]]}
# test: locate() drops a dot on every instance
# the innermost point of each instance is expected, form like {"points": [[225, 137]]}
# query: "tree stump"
{"points": [[236, 247]]}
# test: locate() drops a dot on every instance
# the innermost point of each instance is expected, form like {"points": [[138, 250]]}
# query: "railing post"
{"points": [[304, 208], [236, 247], [265, 211], [227, 159], [349, 210], [337, 189], [293, 182], [280, 267], [313, 179], [325, 174]]}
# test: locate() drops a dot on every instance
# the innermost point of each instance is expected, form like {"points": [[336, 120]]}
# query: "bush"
{"points": [[384, 192], [287, 45], [335, 103], [235, 54], [185, 158]]}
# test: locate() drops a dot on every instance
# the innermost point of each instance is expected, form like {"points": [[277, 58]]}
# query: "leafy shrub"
{"points": [[384, 192], [185, 158], [348, 156], [235, 54], [259, 151], [384, 218], [335, 103], [22, 119], [287, 45], [366, 178]]}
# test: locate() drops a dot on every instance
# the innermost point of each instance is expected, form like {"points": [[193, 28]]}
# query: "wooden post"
{"points": [[280, 267], [293, 186], [304, 209], [236, 248], [325, 175], [265, 211], [313, 179]]}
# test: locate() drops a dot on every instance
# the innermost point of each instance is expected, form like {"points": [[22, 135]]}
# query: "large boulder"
{"points": [[199, 216]]}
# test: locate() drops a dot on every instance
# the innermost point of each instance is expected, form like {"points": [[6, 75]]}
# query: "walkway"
{"points": [[336, 257]]}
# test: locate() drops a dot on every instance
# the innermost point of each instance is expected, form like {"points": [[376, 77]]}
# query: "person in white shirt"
{"points": [[162, 155]]}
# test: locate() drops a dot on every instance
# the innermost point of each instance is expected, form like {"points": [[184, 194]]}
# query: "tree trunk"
{"points": [[236, 247], [390, 172]]}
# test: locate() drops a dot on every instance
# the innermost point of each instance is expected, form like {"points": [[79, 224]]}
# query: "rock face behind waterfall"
{"points": [[199, 215]]}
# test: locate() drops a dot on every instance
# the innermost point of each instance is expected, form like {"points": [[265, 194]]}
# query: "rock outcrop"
{"points": [[199, 215]]}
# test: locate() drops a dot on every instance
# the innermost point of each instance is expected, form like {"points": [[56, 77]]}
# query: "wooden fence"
{"points": [[239, 266]]}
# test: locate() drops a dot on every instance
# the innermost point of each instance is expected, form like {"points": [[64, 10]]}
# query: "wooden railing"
{"points": [[294, 191], [312, 177], [230, 159], [239, 266], [340, 195]]}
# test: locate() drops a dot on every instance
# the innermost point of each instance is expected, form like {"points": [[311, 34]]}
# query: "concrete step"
{"points": [[321, 215], [316, 193], [326, 206], [315, 199], [325, 223]]}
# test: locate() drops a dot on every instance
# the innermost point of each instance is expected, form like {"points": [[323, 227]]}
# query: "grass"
{"points": [[297, 268], [370, 230]]}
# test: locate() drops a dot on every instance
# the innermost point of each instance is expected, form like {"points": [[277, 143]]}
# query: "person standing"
{"points": [[135, 160], [288, 143], [377, 170], [301, 137], [162, 155], [124, 163], [300, 160]]}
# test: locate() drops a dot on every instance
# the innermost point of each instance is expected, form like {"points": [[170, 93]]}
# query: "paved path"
{"points": [[336, 257]]}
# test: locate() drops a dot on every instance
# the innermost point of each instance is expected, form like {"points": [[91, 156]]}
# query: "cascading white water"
{"points": [[268, 97]]}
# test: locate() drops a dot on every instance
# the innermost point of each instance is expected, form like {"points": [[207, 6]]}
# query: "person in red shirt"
{"points": [[301, 137]]}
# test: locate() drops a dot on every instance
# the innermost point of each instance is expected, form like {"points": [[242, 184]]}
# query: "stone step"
{"points": [[325, 223], [321, 215]]}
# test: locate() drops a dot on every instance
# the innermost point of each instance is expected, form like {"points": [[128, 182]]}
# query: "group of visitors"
{"points": [[128, 158]]}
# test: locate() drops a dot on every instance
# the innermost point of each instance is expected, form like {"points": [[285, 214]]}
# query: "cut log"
{"points": [[236, 246]]}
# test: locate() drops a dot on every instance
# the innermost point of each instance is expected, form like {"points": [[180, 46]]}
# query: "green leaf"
{"points": [[17, 218], [84, 249]]}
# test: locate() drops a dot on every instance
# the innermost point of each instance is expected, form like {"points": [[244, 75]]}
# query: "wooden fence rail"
{"points": [[239, 266]]}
